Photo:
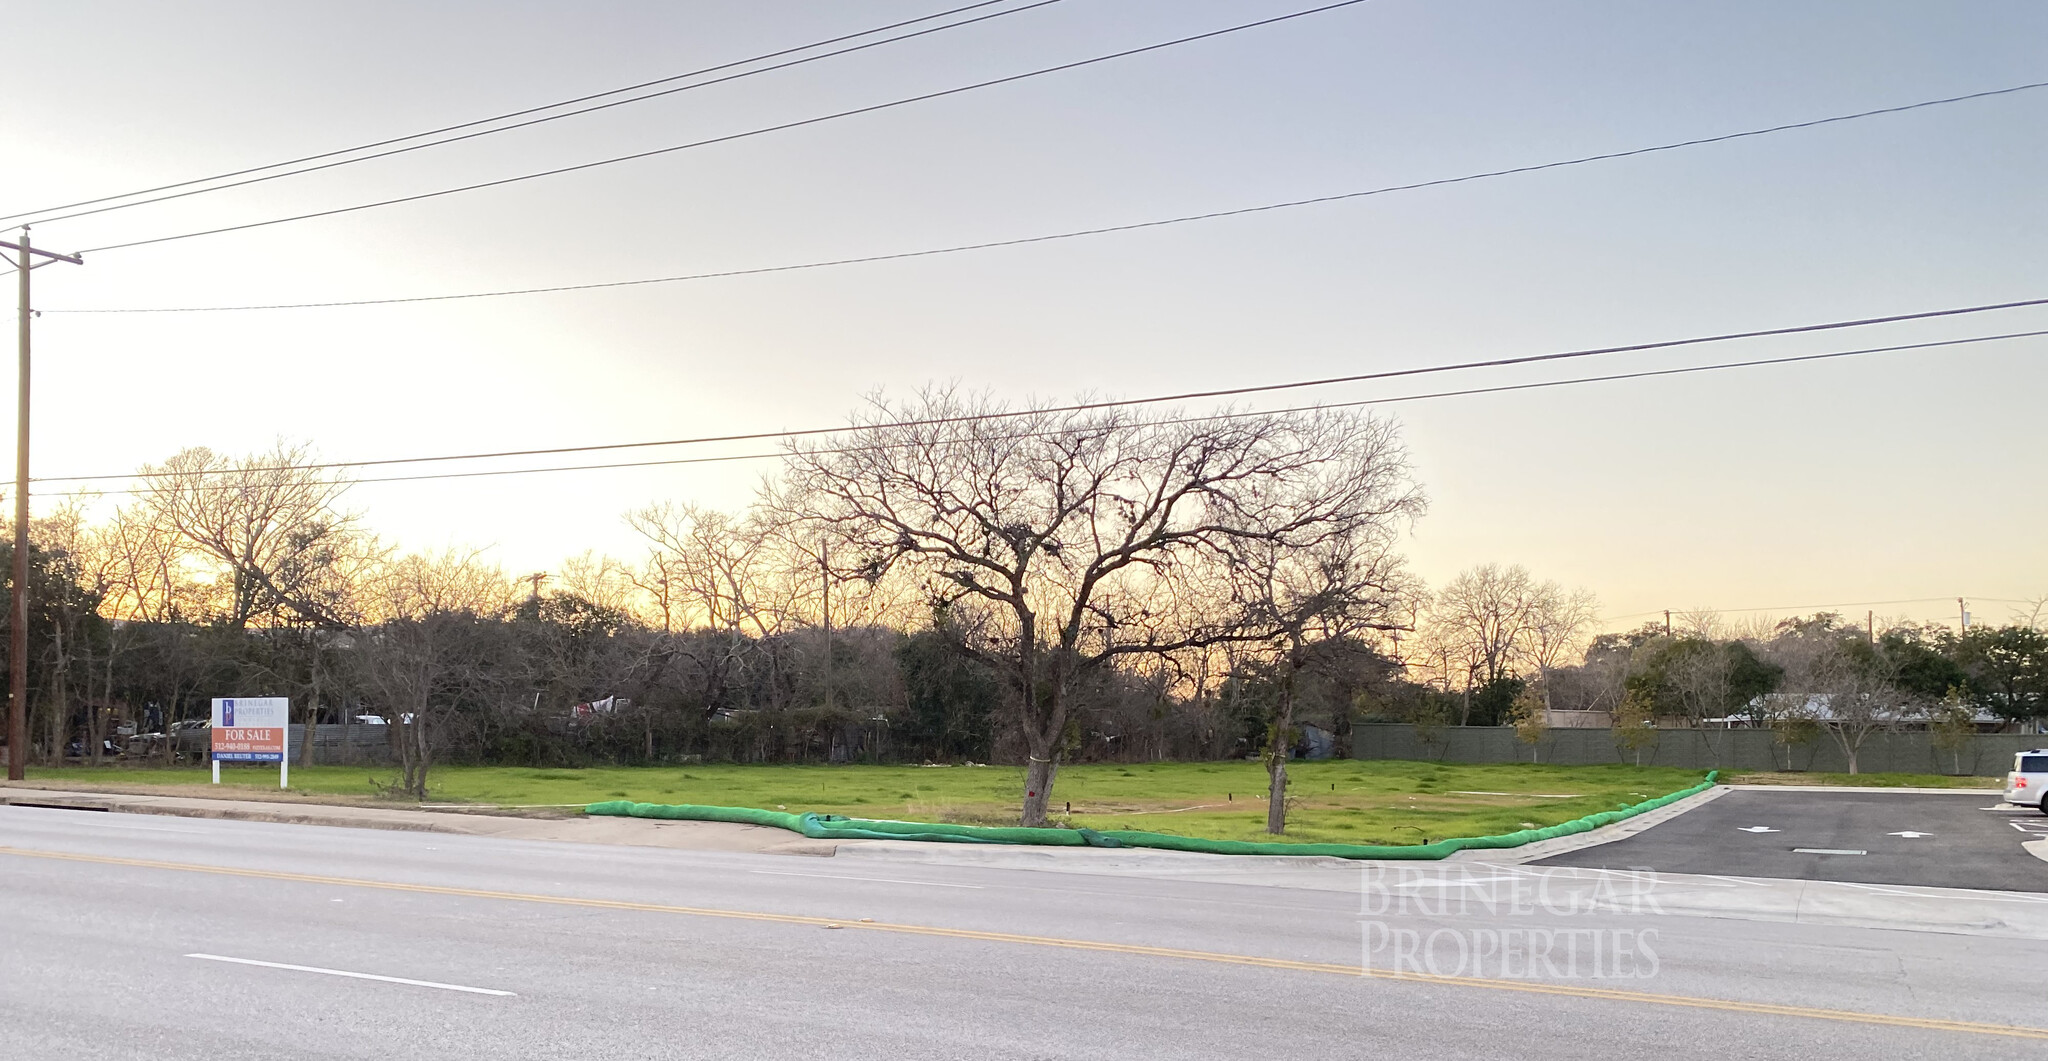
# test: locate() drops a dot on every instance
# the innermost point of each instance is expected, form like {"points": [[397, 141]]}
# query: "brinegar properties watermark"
{"points": [[1401, 910]]}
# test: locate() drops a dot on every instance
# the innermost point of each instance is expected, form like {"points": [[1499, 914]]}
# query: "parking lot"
{"points": [[1945, 840]]}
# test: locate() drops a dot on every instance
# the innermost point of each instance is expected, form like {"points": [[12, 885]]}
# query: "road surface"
{"points": [[140, 937], [1928, 839]]}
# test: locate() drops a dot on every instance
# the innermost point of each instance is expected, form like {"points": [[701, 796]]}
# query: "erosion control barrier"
{"points": [[837, 827]]}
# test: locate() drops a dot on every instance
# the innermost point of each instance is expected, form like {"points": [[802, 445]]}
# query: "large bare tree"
{"points": [[1063, 542], [1501, 620], [1485, 613], [1555, 633], [1314, 599], [271, 526], [283, 553]]}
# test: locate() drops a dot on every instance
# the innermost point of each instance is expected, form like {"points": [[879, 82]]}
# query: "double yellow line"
{"points": [[1215, 957]]}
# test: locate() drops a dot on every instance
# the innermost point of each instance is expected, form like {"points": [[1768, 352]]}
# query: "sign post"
{"points": [[252, 730]]}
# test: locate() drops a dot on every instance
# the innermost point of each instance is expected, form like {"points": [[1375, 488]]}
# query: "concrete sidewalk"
{"points": [[690, 836]]}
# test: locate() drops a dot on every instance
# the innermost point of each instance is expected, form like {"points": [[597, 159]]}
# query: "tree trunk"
{"points": [[1039, 770], [312, 713], [1276, 792], [1276, 756], [170, 712], [415, 743]]}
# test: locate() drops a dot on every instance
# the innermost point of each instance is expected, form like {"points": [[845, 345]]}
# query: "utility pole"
{"points": [[1667, 622], [24, 260], [1963, 614]]}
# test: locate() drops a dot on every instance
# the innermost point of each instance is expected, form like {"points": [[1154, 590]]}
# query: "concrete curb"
{"points": [[1873, 788], [1080, 859], [230, 810], [698, 836], [1606, 834]]}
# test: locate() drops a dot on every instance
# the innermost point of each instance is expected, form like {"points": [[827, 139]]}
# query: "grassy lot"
{"points": [[1340, 801]]}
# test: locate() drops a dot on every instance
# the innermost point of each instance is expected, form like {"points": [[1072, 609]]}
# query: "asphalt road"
{"points": [[1962, 840], [618, 952]]}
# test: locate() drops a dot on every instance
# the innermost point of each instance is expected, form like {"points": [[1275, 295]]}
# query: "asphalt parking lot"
{"points": [[1942, 840]]}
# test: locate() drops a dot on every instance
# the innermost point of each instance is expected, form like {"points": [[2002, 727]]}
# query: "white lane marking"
{"points": [[1910, 834], [350, 975], [877, 880], [1756, 829], [1826, 851], [1736, 880]]}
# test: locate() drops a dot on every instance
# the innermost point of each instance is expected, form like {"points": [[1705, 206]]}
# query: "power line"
{"points": [[1227, 392], [800, 123], [573, 113], [1211, 417], [1046, 237], [518, 113]]}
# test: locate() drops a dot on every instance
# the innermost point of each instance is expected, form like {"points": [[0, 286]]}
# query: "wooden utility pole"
{"points": [[24, 260]]}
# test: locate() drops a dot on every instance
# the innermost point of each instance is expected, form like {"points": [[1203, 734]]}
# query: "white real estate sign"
{"points": [[252, 729]]}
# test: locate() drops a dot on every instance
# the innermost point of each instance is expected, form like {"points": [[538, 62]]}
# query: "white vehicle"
{"points": [[2027, 785]]}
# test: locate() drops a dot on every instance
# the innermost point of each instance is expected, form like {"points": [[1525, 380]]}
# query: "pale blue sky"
{"points": [[1897, 476]]}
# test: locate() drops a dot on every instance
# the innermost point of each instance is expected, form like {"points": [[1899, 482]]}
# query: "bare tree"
{"points": [[1312, 598], [421, 669], [270, 525], [454, 580], [1705, 623], [1555, 630], [1065, 542], [1702, 676], [722, 574], [1500, 621], [1852, 684], [1485, 614], [604, 581]]}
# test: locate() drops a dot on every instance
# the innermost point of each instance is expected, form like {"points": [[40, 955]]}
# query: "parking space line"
{"points": [[436, 985]]}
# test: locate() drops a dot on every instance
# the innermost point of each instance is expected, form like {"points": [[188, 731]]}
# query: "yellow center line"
{"points": [[1524, 986]]}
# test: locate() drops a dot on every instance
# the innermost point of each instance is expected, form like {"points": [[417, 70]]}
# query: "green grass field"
{"points": [[1337, 801]]}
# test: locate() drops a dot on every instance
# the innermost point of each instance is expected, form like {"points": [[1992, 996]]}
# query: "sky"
{"points": [[1895, 482]]}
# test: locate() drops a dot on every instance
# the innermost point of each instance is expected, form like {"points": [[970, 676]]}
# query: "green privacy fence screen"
{"points": [[836, 827]]}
